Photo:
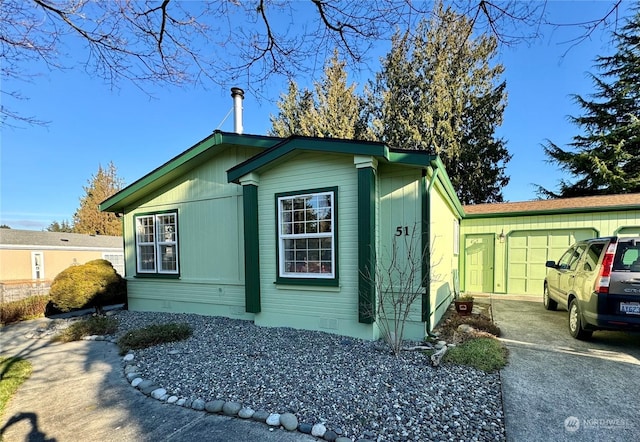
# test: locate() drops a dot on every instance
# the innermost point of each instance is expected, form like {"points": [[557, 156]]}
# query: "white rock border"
{"points": [[287, 421]]}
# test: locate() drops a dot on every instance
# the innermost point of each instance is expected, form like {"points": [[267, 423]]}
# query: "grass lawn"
{"points": [[13, 373]]}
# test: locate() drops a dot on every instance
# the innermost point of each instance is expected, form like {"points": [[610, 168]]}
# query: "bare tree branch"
{"points": [[221, 41]]}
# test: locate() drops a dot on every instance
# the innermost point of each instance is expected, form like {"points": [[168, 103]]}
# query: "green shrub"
{"points": [[93, 284], [95, 325], [28, 308], [486, 354], [154, 335]]}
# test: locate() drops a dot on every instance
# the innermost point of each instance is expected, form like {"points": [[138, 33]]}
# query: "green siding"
{"points": [[203, 298], [210, 241], [444, 263], [513, 270], [331, 309], [401, 207]]}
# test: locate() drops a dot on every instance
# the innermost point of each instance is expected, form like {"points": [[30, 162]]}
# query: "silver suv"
{"points": [[598, 282]]}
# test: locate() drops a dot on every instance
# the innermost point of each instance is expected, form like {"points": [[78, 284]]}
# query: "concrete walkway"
{"points": [[556, 388], [77, 392]]}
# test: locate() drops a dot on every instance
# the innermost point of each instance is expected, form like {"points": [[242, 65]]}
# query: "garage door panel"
{"points": [[518, 241], [538, 255], [519, 286], [519, 254], [527, 252]]}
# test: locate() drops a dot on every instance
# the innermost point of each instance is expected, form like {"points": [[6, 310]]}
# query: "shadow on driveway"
{"points": [[557, 388]]}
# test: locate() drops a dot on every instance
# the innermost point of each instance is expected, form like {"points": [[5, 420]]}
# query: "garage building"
{"points": [[506, 245]]}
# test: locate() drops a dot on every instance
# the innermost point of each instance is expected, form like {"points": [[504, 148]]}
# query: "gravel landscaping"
{"points": [[354, 388]]}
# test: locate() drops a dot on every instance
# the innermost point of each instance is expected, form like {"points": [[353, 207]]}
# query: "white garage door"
{"points": [[527, 252]]}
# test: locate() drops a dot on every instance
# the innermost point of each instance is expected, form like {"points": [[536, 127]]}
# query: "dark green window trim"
{"points": [[156, 276], [251, 249], [309, 281], [326, 282], [156, 273], [366, 245]]}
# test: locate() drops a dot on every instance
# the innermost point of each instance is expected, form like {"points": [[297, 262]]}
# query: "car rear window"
{"points": [[593, 256], [627, 257]]}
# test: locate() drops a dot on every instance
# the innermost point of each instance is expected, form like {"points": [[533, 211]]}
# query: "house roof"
{"points": [[597, 203], [410, 158], [271, 156], [182, 163], [275, 149], [33, 239]]}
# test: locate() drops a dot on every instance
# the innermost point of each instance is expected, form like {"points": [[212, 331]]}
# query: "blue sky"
{"points": [[43, 169]]}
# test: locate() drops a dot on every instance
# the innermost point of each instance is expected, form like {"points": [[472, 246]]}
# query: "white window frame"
{"points": [[159, 240], [116, 259], [37, 268], [284, 236]]}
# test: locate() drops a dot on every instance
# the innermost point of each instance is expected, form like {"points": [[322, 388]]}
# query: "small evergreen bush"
{"points": [[94, 284], [154, 335], [95, 325]]}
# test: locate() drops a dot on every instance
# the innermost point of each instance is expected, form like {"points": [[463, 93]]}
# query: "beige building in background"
{"points": [[30, 260]]}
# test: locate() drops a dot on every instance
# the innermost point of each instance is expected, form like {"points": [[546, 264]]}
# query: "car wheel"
{"points": [[549, 303], [575, 323]]}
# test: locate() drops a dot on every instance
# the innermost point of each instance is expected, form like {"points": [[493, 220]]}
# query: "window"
{"points": [[37, 265], [307, 236], [593, 256], [627, 254], [570, 258], [157, 243], [116, 260]]}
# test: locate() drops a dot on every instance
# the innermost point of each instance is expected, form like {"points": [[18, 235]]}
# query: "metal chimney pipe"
{"points": [[238, 95]]}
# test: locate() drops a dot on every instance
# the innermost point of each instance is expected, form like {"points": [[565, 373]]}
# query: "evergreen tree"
{"points": [[605, 158], [64, 227], [437, 92], [332, 110], [88, 218]]}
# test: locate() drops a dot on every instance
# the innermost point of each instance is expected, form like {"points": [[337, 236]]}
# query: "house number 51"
{"points": [[402, 230]]}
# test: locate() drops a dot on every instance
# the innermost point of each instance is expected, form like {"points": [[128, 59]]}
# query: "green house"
{"points": [[303, 232], [298, 232], [506, 245]]}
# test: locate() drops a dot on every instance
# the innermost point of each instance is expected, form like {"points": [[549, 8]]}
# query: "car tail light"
{"points": [[604, 278]]}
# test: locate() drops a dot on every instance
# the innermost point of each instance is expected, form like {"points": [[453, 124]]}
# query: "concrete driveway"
{"points": [[556, 388]]}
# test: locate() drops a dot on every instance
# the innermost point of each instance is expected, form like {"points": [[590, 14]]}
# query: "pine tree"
{"points": [[605, 158], [438, 92], [64, 227], [88, 218], [332, 109]]}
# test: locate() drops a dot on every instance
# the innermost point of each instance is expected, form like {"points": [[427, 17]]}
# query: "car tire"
{"points": [[575, 322], [549, 303]]}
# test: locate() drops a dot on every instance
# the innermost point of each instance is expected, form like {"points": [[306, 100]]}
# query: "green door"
{"points": [[527, 252], [478, 258]]}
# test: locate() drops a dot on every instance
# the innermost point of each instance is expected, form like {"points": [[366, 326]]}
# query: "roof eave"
{"points": [[329, 145], [503, 214], [180, 164]]}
